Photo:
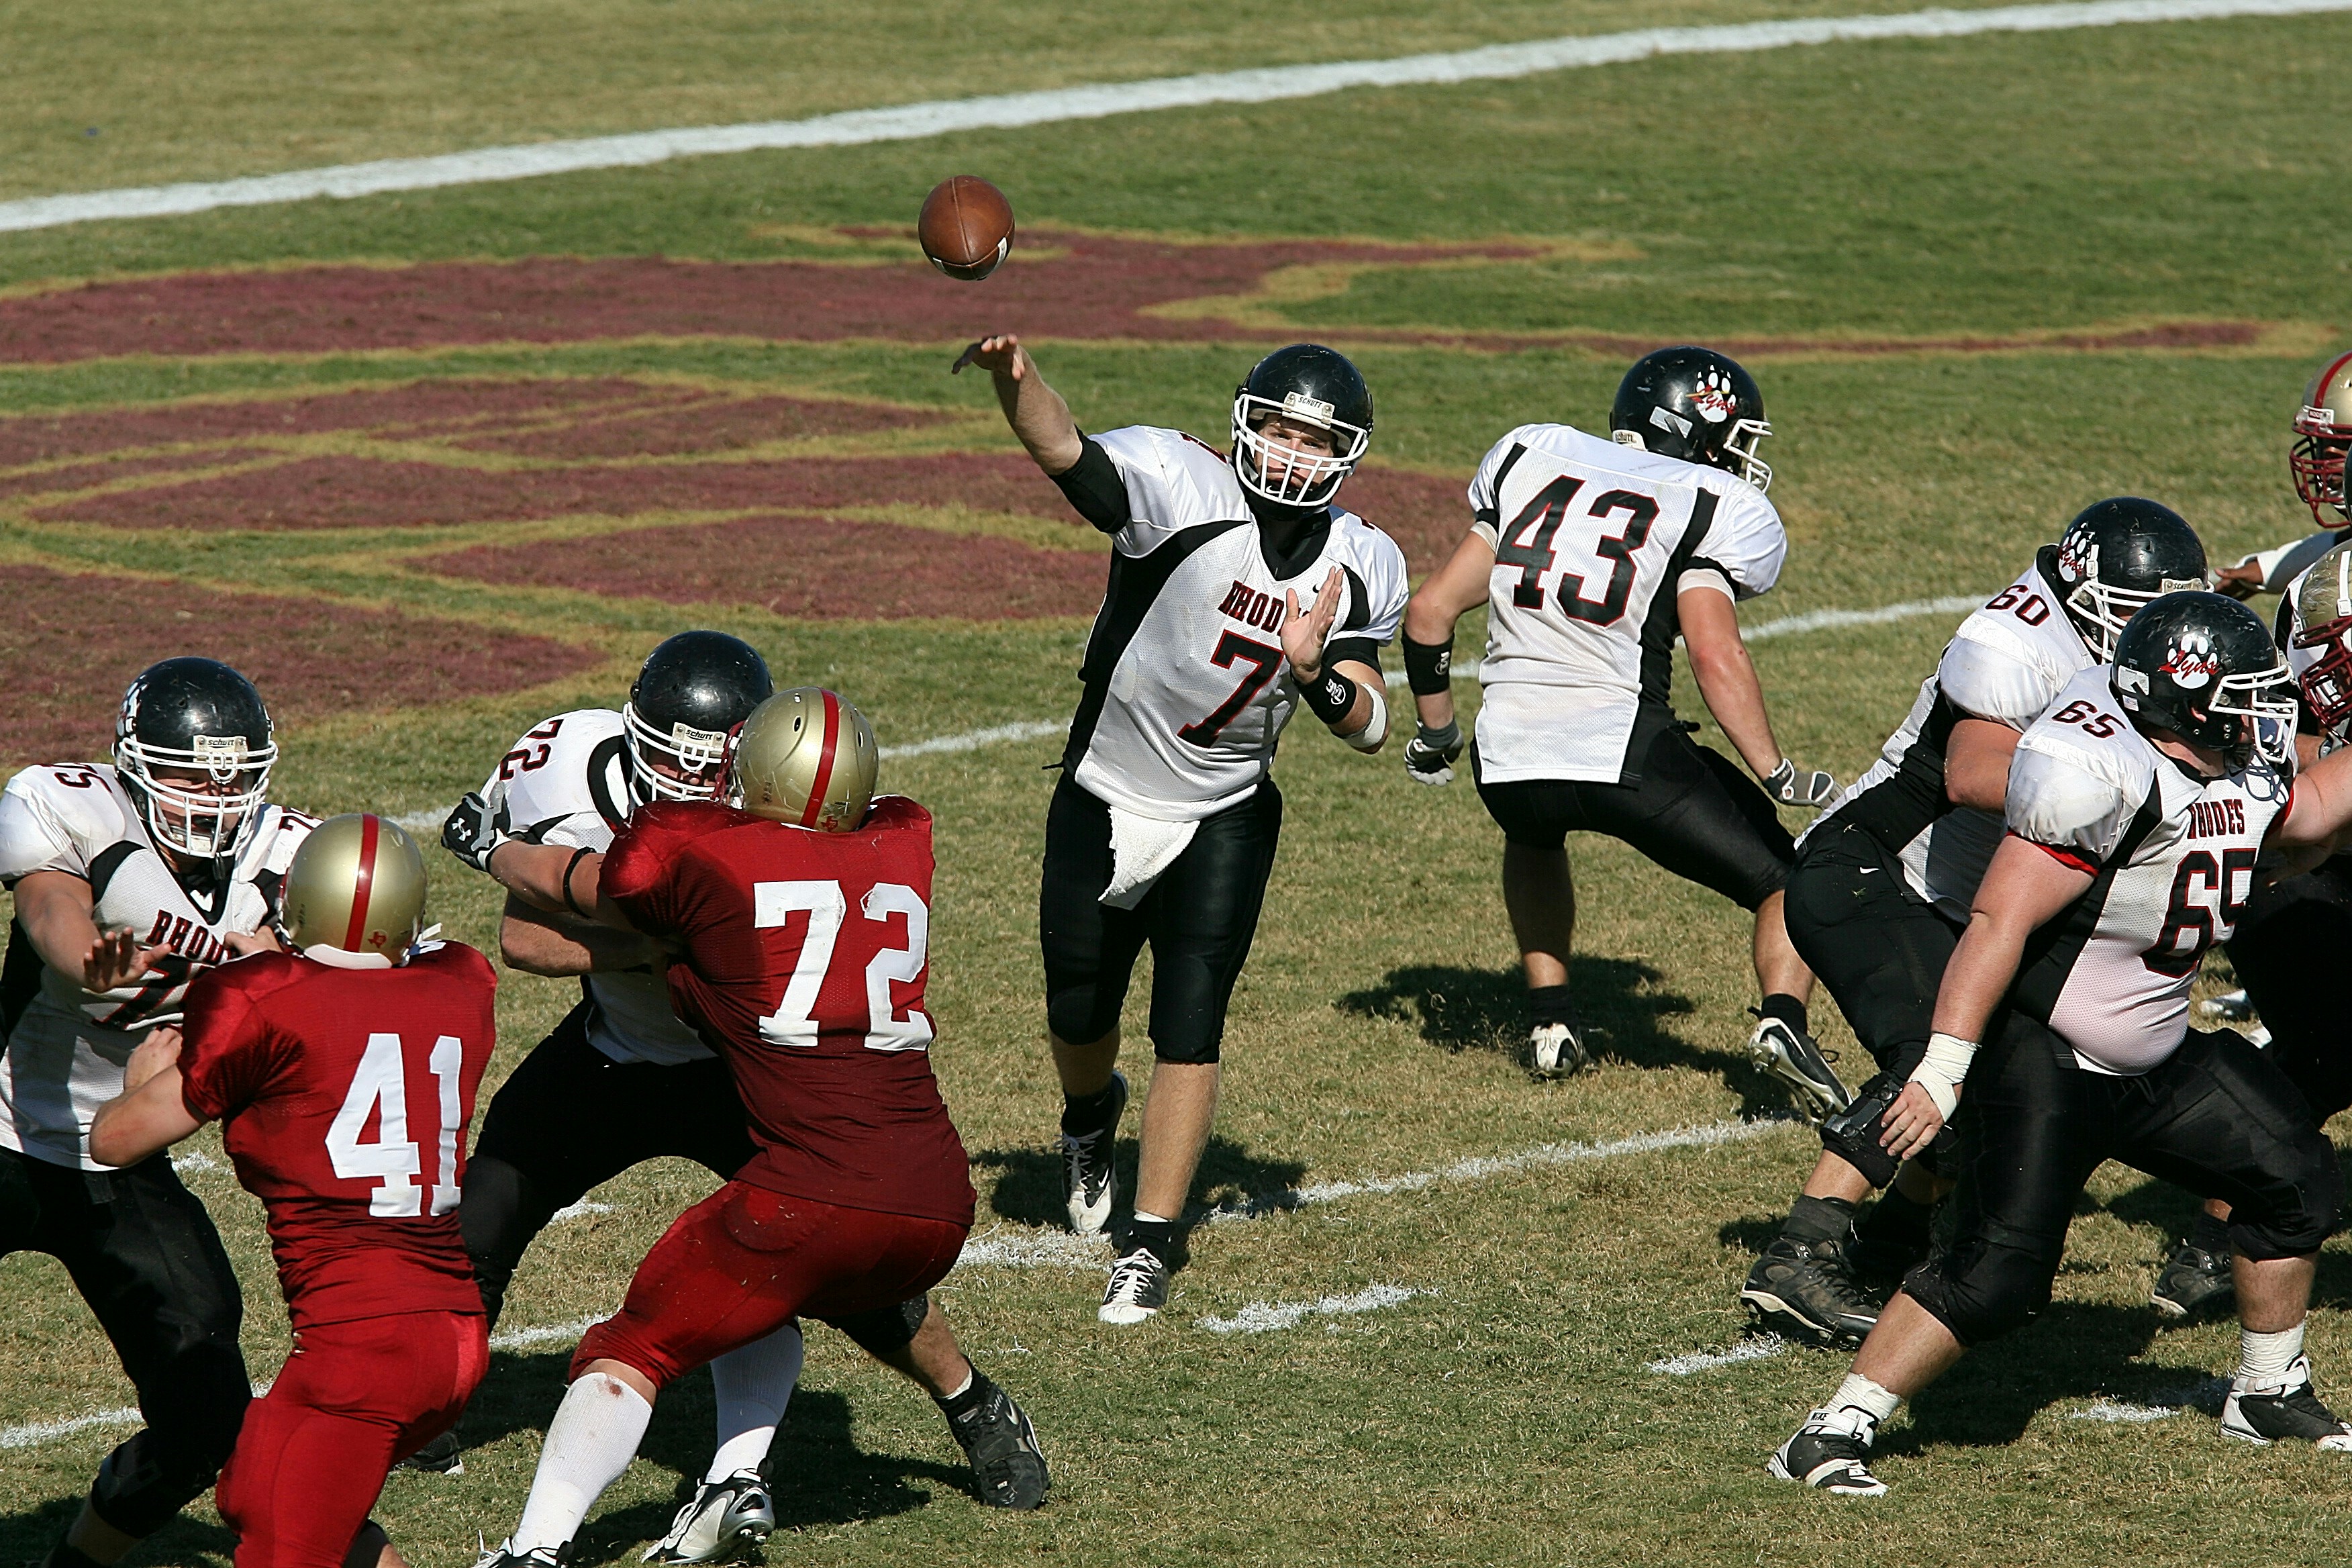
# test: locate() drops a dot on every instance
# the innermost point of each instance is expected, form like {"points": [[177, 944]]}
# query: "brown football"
{"points": [[966, 228]]}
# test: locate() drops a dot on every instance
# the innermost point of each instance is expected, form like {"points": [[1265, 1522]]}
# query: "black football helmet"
{"points": [[192, 748], [2115, 556], [1696, 405], [694, 690], [2203, 665], [1306, 384]]}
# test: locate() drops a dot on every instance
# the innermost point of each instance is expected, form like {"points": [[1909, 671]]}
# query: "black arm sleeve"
{"points": [[1093, 485], [1363, 650]]}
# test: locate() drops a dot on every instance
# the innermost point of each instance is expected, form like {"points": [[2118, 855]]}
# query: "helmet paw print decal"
{"points": [[2190, 659], [1714, 398]]}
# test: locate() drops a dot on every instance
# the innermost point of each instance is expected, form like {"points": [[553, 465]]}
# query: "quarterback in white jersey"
{"points": [[2135, 809], [623, 1064], [130, 878], [1592, 557], [1239, 593], [1884, 881]]}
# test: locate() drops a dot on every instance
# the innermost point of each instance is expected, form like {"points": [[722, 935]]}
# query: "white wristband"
{"points": [[1376, 728], [1939, 1072]]}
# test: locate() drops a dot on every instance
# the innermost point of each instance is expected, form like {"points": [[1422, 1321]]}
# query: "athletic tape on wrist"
{"points": [[1428, 666], [1330, 696], [1375, 732], [1940, 1071]]}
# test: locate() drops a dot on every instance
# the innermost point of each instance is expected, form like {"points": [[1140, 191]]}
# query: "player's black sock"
{"points": [[1787, 1008], [1818, 1219], [1898, 1223], [1159, 1235], [2210, 1235], [970, 1400], [1549, 1005], [1086, 1113]]}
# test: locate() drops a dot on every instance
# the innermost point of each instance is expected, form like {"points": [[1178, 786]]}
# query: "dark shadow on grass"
{"points": [[28, 1535], [1030, 1192], [1459, 1009]]}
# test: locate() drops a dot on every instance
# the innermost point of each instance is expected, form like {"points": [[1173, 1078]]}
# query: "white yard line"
{"points": [[1011, 110], [36, 1432], [1270, 1317], [579, 1210], [1761, 1348], [547, 1334]]}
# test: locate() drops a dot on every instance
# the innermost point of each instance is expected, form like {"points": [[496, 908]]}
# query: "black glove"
{"points": [[1790, 787], [1430, 755], [473, 830]]}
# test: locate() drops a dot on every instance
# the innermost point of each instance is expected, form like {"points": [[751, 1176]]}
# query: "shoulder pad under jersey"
{"points": [[1173, 481], [62, 818], [548, 776]]}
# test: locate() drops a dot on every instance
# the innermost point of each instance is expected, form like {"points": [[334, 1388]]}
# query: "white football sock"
{"points": [[1149, 1218], [2264, 1360], [753, 1384], [593, 1436], [1857, 1407]]}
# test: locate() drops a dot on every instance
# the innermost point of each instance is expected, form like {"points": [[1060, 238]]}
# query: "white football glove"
{"points": [[1790, 786], [1430, 755]]}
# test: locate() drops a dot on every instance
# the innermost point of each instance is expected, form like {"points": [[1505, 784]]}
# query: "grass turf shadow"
{"points": [[1458, 1010], [28, 1535], [1030, 1190]]}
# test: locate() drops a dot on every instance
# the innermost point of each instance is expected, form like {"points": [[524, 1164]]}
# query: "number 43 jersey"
{"points": [[1187, 688], [65, 1045], [344, 1094], [1592, 543], [2173, 858]]}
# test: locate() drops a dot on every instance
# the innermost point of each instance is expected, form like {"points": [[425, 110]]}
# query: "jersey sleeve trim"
{"points": [[2089, 867]]}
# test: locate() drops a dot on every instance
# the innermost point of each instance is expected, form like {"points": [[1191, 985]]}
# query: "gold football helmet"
{"points": [[806, 757], [357, 883], [2323, 433]]}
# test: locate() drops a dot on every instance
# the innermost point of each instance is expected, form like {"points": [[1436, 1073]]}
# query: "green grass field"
{"points": [[1982, 282]]}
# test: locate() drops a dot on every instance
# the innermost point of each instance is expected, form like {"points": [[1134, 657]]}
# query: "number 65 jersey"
{"points": [[1592, 542], [2173, 858], [1187, 687]]}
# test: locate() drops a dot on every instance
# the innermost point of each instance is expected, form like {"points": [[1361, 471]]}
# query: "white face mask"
{"points": [[701, 755], [210, 822], [1279, 471]]}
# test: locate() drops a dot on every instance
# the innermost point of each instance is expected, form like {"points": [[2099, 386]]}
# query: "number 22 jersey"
{"points": [[1593, 542], [1187, 687]]}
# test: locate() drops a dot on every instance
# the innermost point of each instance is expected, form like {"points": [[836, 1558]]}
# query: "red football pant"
{"points": [[353, 1400], [743, 1262]]}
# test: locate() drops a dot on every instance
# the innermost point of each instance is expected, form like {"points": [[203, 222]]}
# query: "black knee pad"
{"points": [[1981, 1290], [1853, 1134], [194, 1409], [1078, 1014], [885, 1331], [1192, 1048], [2297, 1226]]}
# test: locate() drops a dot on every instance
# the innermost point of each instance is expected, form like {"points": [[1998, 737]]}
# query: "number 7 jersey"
{"points": [[1592, 542]]}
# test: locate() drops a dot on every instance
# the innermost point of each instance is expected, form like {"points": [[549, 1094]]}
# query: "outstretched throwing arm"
{"points": [[1035, 410]]}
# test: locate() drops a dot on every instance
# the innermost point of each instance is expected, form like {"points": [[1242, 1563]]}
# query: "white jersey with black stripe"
{"points": [[1593, 542], [67, 1046], [2006, 664], [2173, 858], [567, 782], [1187, 687]]}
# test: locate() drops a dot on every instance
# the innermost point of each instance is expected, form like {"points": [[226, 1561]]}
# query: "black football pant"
{"points": [[2216, 1117], [2287, 953], [571, 1118], [144, 1254]]}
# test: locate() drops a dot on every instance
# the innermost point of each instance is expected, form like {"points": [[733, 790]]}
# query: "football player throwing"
{"points": [[131, 878], [2135, 812], [366, 1023], [1240, 592], [1883, 882], [1592, 557]]}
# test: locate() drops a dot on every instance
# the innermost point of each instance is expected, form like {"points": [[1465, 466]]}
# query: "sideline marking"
{"points": [[546, 1334], [579, 1210], [1011, 110], [1268, 1317], [1761, 1348]]}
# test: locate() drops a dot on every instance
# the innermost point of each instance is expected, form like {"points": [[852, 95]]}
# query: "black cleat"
{"points": [[1089, 1178], [1805, 1290], [2194, 1281], [1835, 1462], [1008, 1467], [441, 1457], [2291, 1410], [1138, 1287], [1802, 1065]]}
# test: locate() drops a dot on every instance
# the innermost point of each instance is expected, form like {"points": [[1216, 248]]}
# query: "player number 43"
{"points": [[794, 1022], [392, 1157]]}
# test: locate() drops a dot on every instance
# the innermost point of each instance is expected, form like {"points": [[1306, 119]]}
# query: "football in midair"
{"points": [[966, 228]]}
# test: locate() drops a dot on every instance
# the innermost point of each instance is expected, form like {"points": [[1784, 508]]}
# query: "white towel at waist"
{"points": [[1141, 848]]}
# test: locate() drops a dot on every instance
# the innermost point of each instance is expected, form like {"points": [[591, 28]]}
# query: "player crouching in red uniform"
{"points": [[366, 1025], [802, 923]]}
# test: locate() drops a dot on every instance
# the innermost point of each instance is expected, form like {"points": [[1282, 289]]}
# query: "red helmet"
{"points": [[2323, 434]]}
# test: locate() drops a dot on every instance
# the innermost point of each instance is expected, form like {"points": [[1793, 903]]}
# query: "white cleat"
{"points": [[1138, 1287], [721, 1520], [1557, 1050]]}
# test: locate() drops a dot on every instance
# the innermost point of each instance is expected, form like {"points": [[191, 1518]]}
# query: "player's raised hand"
{"points": [[159, 1050], [1304, 632], [999, 355], [116, 959]]}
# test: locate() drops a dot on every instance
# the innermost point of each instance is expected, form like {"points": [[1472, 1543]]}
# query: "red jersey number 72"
{"points": [[794, 1022]]}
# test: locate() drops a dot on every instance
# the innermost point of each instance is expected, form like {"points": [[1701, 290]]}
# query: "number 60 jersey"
{"points": [[1592, 542]]}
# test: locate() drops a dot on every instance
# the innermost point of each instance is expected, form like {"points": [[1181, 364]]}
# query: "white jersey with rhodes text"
{"points": [[2173, 856], [566, 782], [2006, 664], [1187, 687], [67, 1047], [1593, 542]]}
